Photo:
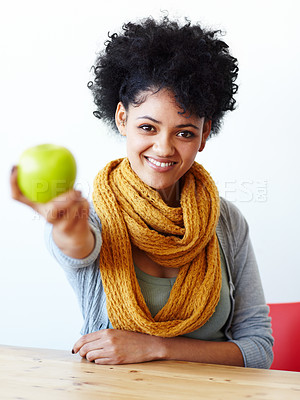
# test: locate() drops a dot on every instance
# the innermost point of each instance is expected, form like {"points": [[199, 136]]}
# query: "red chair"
{"points": [[286, 332]]}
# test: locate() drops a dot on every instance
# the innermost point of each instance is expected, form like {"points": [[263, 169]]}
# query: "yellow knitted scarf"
{"points": [[133, 213]]}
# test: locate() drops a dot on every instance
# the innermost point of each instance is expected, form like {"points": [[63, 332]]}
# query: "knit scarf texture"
{"points": [[132, 213]]}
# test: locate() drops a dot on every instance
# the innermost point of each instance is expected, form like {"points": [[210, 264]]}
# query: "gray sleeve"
{"points": [[250, 325], [85, 278]]}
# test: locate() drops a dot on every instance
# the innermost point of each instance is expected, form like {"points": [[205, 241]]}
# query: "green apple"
{"points": [[46, 171]]}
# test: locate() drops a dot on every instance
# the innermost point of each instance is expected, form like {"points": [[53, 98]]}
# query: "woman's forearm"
{"points": [[187, 349]]}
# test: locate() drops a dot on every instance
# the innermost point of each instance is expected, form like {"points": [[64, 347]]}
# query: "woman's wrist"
{"points": [[160, 348], [79, 246], [194, 350]]}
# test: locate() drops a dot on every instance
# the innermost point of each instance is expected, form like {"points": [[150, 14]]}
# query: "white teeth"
{"points": [[159, 164]]}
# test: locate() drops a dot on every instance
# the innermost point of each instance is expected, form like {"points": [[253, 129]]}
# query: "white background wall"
{"points": [[47, 49]]}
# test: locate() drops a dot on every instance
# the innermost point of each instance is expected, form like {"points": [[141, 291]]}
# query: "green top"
{"points": [[156, 292]]}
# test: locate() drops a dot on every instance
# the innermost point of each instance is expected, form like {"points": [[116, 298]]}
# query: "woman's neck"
{"points": [[171, 195], [150, 267]]}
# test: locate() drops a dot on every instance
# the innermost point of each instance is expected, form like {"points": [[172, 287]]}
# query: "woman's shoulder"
{"points": [[231, 215], [229, 209], [232, 229]]}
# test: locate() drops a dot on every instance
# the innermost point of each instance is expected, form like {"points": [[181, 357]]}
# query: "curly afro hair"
{"points": [[150, 55]]}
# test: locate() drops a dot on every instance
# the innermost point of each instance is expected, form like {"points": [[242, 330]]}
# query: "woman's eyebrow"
{"points": [[187, 126], [177, 126], [151, 119]]}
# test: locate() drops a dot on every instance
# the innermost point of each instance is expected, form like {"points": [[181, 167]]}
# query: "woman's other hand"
{"points": [[113, 346]]}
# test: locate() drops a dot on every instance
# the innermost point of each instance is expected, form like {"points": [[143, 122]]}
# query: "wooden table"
{"points": [[28, 374]]}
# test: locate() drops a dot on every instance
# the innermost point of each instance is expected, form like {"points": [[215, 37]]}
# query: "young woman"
{"points": [[162, 266]]}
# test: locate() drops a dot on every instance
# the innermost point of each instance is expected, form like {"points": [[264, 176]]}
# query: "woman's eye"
{"points": [[147, 128], [185, 134]]}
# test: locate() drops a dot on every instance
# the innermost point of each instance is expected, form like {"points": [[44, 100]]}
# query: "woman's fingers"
{"points": [[89, 338], [62, 207], [99, 357], [16, 193], [95, 347]]}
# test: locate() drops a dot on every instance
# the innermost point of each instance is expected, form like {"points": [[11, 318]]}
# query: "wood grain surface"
{"points": [[42, 374]]}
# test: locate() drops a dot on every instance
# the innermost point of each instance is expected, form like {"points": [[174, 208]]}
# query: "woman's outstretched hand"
{"points": [[68, 213], [113, 346]]}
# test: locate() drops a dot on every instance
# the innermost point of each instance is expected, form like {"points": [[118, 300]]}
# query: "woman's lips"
{"points": [[159, 164]]}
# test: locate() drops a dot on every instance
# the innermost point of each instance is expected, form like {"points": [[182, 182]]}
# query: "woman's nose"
{"points": [[163, 145]]}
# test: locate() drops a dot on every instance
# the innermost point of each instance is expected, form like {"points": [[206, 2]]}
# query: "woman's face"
{"points": [[161, 143]]}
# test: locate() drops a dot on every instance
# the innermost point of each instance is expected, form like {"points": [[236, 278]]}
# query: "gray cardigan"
{"points": [[248, 324]]}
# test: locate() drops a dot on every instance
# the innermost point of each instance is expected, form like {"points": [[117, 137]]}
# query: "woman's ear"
{"points": [[120, 118], [205, 133]]}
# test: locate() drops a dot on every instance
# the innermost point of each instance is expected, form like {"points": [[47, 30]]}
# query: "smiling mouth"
{"points": [[160, 164]]}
